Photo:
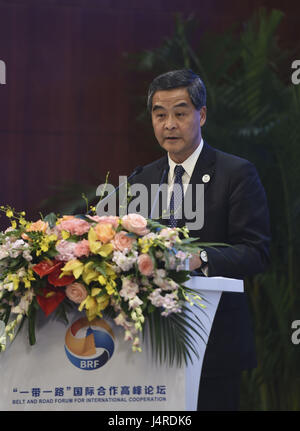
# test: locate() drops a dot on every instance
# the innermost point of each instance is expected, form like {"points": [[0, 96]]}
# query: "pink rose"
{"points": [[65, 250], [75, 226], [82, 248], [113, 220], [135, 223], [76, 292], [145, 264], [122, 241]]}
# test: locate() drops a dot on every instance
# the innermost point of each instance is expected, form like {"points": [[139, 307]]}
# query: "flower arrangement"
{"points": [[132, 268]]}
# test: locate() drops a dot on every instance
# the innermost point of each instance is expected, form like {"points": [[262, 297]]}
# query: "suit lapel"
{"points": [[159, 175], [202, 173], [162, 170], [205, 167]]}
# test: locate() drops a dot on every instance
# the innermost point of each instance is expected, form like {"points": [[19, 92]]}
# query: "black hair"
{"points": [[179, 78]]}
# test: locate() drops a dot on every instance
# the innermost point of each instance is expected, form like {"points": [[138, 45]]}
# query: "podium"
{"points": [[55, 375]]}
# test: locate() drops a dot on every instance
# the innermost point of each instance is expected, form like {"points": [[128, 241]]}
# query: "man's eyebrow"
{"points": [[181, 105], [156, 107]]}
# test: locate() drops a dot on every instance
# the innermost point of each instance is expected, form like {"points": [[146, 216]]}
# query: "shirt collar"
{"points": [[189, 164]]}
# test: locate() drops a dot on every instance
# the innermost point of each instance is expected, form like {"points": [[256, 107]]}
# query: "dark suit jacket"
{"points": [[236, 213]]}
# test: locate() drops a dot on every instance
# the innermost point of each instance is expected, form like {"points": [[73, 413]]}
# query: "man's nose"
{"points": [[170, 122]]}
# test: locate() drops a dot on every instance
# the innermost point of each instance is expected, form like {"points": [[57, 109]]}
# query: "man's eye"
{"points": [[180, 114]]}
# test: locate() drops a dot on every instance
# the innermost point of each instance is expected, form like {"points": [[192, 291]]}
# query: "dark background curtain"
{"points": [[68, 112]]}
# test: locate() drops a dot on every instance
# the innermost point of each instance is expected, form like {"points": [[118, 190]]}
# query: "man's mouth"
{"points": [[171, 138]]}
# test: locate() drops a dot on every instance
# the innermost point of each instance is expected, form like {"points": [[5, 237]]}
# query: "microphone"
{"points": [[135, 172], [163, 178]]}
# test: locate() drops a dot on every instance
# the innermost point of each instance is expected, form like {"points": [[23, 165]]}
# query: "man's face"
{"points": [[176, 122]]}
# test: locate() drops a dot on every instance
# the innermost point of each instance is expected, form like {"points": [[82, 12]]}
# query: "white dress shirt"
{"points": [[188, 165]]}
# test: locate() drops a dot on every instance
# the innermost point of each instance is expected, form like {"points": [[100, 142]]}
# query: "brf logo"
{"points": [[89, 345]]}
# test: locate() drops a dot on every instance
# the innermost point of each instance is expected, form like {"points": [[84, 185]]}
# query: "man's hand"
{"points": [[195, 262]]}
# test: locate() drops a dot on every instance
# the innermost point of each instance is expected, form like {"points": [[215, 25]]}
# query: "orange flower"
{"points": [[65, 217], [104, 232], [38, 226]]}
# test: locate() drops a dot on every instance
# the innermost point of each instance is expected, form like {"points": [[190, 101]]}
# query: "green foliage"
{"points": [[70, 198], [253, 112], [174, 339], [31, 322], [50, 219]]}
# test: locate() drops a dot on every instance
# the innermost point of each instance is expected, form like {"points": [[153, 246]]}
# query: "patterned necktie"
{"points": [[176, 196]]}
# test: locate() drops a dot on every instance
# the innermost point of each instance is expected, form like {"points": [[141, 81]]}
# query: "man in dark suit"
{"points": [[235, 213]]}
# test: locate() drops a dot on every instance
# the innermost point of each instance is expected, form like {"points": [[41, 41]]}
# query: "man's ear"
{"points": [[202, 115]]}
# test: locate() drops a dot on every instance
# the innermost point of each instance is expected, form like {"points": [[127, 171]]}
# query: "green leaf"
{"points": [[51, 219], [31, 322], [101, 267], [179, 276], [175, 337]]}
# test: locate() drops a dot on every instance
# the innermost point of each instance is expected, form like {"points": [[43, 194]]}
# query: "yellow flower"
{"points": [[44, 246], [26, 282], [15, 279], [16, 282], [89, 274], [102, 280], [9, 213], [65, 234], [109, 270], [94, 243], [74, 267], [94, 306], [91, 307], [103, 302], [108, 282], [95, 291], [96, 246], [28, 278], [105, 250], [110, 289], [44, 242], [52, 238], [145, 244]]}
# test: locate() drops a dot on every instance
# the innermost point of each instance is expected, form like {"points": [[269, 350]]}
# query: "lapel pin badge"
{"points": [[206, 178]]}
